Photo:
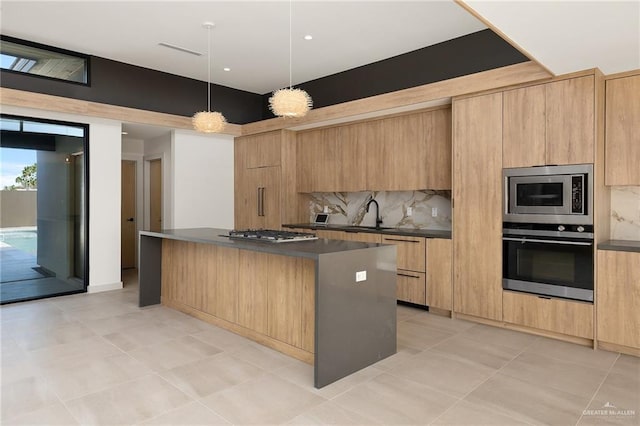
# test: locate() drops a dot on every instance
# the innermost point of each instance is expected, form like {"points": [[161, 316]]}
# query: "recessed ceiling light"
{"points": [[226, 69], [308, 37]]}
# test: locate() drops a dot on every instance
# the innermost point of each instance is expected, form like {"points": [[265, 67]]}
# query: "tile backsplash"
{"points": [[349, 208], [625, 213]]}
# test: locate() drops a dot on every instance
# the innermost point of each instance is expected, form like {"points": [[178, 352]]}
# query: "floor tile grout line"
{"points": [[604, 379]]}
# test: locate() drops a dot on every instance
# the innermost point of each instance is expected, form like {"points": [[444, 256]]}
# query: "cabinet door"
{"points": [[524, 127], [570, 113], [257, 198], [410, 251], [353, 152], [252, 290], [439, 273], [477, 201], [437, 135], [363, 237], [318, 160], [222, 281], [618, 298], [411, 287], [261, 150], [397, 160], [622, 122]]}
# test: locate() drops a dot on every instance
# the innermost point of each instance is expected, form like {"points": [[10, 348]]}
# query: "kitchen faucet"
{"points": [[378, 218]]}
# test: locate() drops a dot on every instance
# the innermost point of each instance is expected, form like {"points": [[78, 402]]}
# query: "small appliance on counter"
{"points": [[271, 235]]}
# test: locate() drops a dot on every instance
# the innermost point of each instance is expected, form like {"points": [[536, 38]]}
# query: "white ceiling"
{"points": [[250, 37], [567, 36]]}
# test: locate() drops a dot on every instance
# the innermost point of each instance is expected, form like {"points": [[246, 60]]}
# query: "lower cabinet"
{"points": [[548, 314], [411, 287], [618, 297], [439, 289]]}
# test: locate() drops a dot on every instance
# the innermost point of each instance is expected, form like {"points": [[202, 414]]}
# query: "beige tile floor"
{"points": [[99, 359]]}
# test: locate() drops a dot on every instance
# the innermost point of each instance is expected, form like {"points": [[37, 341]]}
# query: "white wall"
{"points": [[104, 194], [203, 180]]}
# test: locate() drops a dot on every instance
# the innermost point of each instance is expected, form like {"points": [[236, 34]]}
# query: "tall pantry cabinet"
{"points": [[264, 173], [477, 201]]}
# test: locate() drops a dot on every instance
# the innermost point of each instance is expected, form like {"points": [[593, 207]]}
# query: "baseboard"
{"points": [[613, 347], [92, 288]]}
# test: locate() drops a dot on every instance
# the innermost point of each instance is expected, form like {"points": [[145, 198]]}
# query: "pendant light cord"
{"points": [[290, 44], [209, 68]]}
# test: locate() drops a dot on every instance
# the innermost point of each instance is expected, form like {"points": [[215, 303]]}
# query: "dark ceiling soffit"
{"points": [[476, 52]]}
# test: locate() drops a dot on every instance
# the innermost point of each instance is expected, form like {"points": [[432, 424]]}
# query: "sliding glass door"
{"points": [[43, 226]]}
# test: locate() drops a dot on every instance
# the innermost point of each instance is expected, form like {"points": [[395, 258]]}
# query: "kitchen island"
{"points": [[326, 302]]}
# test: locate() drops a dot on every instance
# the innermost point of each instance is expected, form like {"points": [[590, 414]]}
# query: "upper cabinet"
{"points": [[260, 150], [622, 131], [406, 152], [551, 123]]}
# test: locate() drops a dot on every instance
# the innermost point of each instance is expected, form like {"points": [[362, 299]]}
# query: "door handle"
{"points": [[130, 219], [260, 196]]}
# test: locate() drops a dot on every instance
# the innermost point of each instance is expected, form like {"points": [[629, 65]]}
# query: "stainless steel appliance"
{"points": [[271, 235], [549, 260], [550, 194]]}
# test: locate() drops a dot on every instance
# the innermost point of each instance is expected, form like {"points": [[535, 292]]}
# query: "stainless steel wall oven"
{"points": [[541, 259]]}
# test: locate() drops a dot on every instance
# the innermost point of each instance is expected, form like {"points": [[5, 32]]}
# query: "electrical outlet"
{"points": [[325, 209], [361, 276], [409, 211], [434, 211]]}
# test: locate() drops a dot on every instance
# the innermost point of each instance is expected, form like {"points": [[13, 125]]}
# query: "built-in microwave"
{"points": [[549, 194]]}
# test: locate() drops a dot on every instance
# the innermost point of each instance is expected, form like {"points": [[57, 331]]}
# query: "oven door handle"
{"points": [[531, 240]]}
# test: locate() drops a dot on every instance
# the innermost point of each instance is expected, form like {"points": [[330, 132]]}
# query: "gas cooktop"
{"points": [[271, 235]]}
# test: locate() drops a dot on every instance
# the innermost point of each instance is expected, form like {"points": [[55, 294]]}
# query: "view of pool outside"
{"points": [[22, 238]]}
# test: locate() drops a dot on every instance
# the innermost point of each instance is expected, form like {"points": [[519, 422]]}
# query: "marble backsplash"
{"points": [[350, 208], [625, 213]]}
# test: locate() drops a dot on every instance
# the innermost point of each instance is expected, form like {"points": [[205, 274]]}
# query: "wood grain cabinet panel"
{"points": [[438, 282], [556, 315], [437, 129], [363, 237], [411, 251], [570, 121], [257, 198], [252, 290], [618, 298], [477, 201], [622, 131], [411, 287], [260, 150], [222, 277], [524, 128]]}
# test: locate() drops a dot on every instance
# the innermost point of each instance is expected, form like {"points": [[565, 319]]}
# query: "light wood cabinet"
{"points": [[438, 280], [260, 150], [411, 287], [477, 201], [410, 260], [524, 127], [411, 251], [252, 290], [406, 152], [550, 123], [570, 121], [257, 199], [622, 131], [549, 314], [221, 280], [412, 152], [363, 237], [618, 298]]}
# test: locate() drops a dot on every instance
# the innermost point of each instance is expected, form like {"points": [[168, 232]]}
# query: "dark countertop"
{"points": [[426, 233], [620, 245], [309, 249]]}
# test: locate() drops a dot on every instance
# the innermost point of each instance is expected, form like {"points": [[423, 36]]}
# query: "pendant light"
{"points": [[290, 102], [207, 121]]}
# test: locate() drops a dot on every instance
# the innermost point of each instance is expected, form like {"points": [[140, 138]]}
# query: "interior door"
{"points": [[155, 195], [128, 215]]}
